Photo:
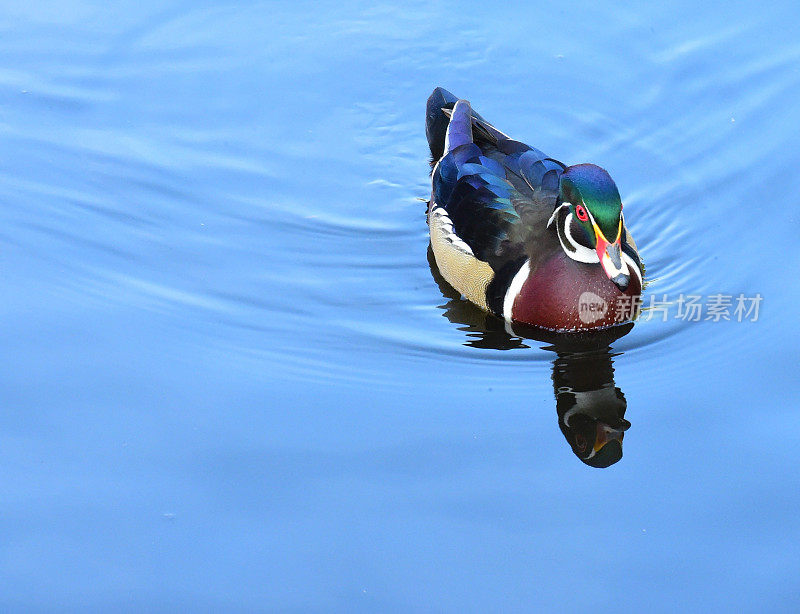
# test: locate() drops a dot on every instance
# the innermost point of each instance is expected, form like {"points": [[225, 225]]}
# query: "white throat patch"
{"points": [[575, 250]]}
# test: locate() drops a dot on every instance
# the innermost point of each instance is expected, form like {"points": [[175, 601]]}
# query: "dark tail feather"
{"points": [[436, 122]]}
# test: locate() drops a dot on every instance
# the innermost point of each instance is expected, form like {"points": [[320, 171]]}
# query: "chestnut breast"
{"points": [[563, 294]]}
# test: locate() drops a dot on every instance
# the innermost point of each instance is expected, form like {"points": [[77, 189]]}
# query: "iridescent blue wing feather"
{"points": [[498, 192]]}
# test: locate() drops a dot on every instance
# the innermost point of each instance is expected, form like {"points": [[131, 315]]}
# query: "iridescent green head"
{"points": [[593, 200], [594, 190]]}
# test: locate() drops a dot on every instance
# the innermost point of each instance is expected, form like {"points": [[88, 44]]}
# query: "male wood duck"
{"points": [[520, 234]]}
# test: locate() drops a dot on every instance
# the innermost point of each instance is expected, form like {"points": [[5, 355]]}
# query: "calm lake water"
{"points": [[231, 382]]}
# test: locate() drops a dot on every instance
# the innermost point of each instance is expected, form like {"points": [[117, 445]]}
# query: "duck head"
{"points": [[589, 220]]}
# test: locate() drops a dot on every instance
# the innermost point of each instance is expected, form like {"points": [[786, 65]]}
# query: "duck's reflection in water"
{"points": [[590, 407]]}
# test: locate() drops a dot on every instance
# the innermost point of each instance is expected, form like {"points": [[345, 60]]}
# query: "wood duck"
{"points": [[520, 234]]}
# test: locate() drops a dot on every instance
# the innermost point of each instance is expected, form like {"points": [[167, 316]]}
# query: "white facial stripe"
{"points": [[591, 217], [556, 212], [514, 289], [632, 266], [576, 251]]}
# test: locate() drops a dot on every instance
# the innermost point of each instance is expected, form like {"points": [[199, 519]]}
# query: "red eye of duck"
{"points": [[581, 213]]}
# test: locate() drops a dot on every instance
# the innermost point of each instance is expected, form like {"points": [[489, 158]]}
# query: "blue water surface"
{"points": [[230, 381]]}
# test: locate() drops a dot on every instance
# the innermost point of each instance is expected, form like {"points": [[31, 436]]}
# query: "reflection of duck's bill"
{"points": [[607, 448], [606, 433], [606, 456]]}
